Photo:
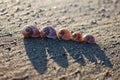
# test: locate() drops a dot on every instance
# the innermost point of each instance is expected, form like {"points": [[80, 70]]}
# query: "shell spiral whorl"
{"points": [[30, 31], [64, 34], [49, 32], [77, 36], [89, 38]]}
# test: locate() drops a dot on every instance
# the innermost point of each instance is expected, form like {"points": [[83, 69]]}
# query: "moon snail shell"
{"points": [[77, 36], [64, 34], [30, 31], [89, 38], [49, 32]]}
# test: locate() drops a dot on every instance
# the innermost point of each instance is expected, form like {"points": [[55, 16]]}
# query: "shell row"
{"points": [[31, 31]]}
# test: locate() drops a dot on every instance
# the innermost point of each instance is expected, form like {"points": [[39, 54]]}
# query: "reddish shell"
{"points": [[49, 32], [30, 31], [89, 38], [77, 36], [64, 34]]}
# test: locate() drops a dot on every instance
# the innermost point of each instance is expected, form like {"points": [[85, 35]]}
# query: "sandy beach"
{"points": [[53, 59]]}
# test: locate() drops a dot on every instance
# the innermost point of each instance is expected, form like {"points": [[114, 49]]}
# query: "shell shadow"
{"points": [[36, 51], [92, 52], [56, 52]]}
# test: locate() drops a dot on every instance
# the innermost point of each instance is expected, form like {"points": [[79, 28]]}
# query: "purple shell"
{"points": [[89, 38], [49, 32], [33, 33]]}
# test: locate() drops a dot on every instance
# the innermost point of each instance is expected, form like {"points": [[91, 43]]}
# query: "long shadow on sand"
{"points": [[36, 51]]}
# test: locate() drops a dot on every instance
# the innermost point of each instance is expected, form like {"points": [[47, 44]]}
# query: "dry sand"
{"points": [[46, 59]]}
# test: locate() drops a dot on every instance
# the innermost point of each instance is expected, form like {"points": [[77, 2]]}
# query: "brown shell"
{"points": [[77, 36], [65, 34]]}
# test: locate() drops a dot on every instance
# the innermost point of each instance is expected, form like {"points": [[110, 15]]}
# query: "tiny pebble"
{"points": [[93, 22], [9, 49]]}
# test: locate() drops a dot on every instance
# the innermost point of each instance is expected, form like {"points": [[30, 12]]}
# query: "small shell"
{"points": [[49, 32], [89, 38], [77, 36], [64, 34], [30, 31]]}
